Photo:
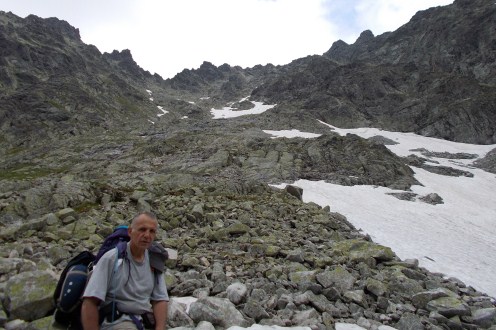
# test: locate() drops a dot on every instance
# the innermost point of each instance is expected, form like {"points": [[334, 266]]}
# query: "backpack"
{"points": [[73, 279]]}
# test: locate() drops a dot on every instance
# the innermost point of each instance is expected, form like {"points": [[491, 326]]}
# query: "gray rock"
{"points": [[16, 325], [339, 278], [64, 213], [178, 315], [448, 307], [204, 325], [319, 302], [360, 250], [255, 310], [295, 191], [433, 199], [14, 265], [485, 317], [38, 286], [198, 211], [218, 311], [376, 287], [421, 299], [356, 296], [301, 277], [187, 287], [237, 293], [409, 321], [296, 256], [306, 317]]}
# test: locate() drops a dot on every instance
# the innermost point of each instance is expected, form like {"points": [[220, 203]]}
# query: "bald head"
{"points": [[142, 215]]}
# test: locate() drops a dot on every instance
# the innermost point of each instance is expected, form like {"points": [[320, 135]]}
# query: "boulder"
{"points": [[421, 299], [29, 295], [359, 250], [178, 314], [484, 317], [448, 307], [339, 278], [237, 293], [409, 321], [255, 310], [218, 311]]}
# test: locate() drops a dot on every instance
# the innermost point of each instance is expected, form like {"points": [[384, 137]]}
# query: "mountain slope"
{"points": [[89, 139], [53, 84], [433, 76]]}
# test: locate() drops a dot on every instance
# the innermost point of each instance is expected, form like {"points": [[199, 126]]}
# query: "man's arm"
{"points": [[160, 313], [89, 313]]}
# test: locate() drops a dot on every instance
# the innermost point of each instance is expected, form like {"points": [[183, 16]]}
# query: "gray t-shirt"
{"points": [[134, 284]]}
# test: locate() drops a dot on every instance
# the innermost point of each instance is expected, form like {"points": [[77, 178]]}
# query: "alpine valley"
{"points": [[87, 140]]}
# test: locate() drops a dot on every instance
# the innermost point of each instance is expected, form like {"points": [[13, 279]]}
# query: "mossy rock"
{"points": [[42, 324], [272, 250], [359, 250], [448, 307], [238, 229], [302, 277], [29, 295]]}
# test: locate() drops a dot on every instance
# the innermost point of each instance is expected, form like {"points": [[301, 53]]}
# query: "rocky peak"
{"points": [[456, 38], [53, 25], [210, 72], [124, 60], [365, 36]]}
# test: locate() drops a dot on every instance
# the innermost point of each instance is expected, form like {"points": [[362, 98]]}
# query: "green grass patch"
{"points": [[127, 104], [86, 206], [27, 172]]}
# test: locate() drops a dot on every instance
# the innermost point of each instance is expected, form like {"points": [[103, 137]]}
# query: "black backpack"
{"points": [[74, 277]]}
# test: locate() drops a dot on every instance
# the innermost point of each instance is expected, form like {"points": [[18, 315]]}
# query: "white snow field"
{"points": [[457, 238]]}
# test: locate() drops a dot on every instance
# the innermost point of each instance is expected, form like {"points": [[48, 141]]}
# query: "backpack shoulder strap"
{"points": [[121, 250]]}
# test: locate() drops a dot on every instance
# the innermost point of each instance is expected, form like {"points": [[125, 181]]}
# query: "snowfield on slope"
{"points": [[457, 238]]}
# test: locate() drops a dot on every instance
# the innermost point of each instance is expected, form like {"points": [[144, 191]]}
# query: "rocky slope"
{"points": [[434, 76], [83, 148], [53, 85], [251, 253]]}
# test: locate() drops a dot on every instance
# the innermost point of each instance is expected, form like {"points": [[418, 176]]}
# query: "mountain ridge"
{"points": [[89, 139]]}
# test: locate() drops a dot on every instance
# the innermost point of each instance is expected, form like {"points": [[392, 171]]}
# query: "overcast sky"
{"points": [[167, 36]]}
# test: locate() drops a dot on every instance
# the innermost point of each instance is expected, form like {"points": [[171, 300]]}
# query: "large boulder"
{"points": [[29, 295], [339, 278], [360, 250], [218, 311], [448, 307]]}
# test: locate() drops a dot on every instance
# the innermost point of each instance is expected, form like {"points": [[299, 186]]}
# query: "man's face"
{"points": [[143, 232]]}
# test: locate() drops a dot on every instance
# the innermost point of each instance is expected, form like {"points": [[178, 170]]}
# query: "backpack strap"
{"points": [[120, 254]]}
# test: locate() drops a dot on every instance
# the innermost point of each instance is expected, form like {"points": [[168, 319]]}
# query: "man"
{"points": [[130, 283]]}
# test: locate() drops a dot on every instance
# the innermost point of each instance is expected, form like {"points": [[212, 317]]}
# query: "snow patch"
{"points": [[228, 112], [163, 111], [457, 238], [291, 134]]}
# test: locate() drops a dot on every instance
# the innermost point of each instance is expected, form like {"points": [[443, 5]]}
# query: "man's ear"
{"points": [[129, 230]]}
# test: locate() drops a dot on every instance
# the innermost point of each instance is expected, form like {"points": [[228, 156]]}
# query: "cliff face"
{"points": [[54, 85], [434, 76], [457, 39]]}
